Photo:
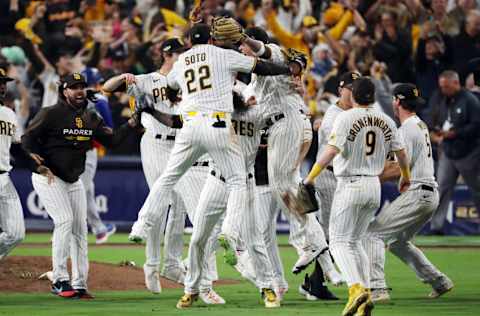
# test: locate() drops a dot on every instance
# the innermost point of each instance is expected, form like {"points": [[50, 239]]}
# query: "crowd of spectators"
{"points": [[390, 40]]}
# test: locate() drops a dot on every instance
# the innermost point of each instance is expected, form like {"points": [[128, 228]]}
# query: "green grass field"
{"points": [[459, 261]]}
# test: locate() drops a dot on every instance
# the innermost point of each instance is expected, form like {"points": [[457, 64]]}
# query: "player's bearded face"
{"points": [[76, 95]]}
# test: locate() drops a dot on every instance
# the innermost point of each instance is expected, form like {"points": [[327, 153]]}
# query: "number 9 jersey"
{"points": [[364, 137], [206, 75]]}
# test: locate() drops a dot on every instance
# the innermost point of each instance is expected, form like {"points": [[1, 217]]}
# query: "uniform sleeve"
{"points": [[33, 137], [407, 140], [16, 132], [397, 142], [172, 80], [237, 62], [307, 130], [277, 55], [338, 135], [134, 89]]}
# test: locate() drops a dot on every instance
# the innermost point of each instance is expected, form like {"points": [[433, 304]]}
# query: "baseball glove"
{"points": [[227, 30], [306, 199]]}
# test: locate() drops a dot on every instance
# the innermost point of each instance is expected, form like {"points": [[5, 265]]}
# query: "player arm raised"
{"points": [[258, 48], [118, 83], [111, 138]]}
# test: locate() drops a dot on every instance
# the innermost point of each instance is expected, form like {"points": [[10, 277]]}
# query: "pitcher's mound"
{"points": [[20, 274]]}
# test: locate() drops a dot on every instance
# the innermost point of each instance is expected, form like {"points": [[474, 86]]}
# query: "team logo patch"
{"points": [[77, 76], [355, 76], [78, 122], [2, 72], [415, 92]]}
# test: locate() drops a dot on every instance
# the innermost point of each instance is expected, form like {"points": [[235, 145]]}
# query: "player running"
{"points": [[359, 143], [398, 223]]}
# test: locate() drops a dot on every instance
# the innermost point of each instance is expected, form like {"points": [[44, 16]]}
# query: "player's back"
{"points": [[364, 136], [419, 150], [206, 75]]}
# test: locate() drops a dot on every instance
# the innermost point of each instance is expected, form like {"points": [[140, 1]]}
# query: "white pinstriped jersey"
{"points": [[152, 88], [8, 134], [247, 125], [364, 137], [419, 150], [276, 94], [206, 75], [326, 128]]}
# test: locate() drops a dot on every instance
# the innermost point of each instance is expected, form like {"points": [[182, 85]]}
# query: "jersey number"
{"points": [[429, 145], [203, 79], [370, 140]]}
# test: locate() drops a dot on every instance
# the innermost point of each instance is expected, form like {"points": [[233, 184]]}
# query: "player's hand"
{"points": [[129, 78], [37, 158], [46, 172], [403, 185], [251, 101], [450, 134]]}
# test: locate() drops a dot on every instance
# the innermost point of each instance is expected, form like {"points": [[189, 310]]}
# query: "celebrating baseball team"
{"points": [[228, 155]]}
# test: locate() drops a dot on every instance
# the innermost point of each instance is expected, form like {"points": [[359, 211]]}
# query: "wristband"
{"points": [[316, 170]]}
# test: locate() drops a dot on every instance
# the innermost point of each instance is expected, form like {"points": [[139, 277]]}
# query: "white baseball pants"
{"points": [[11, 217], [396, 225], [352, 211], [66, 204]]}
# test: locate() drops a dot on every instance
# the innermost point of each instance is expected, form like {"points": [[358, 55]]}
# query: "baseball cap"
{"points": [[92, 76], [73, 79], [408, 93], [172, 45], [363, 91], [257, 33], [199, 33], [347, 78], [3, 75]]}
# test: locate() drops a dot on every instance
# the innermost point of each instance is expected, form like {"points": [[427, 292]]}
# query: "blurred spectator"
{"points": [[406, 12], [361, 55], [434, 55], [438, 19], [467, 43], [394, 47], [10, 12], [383, 88], [454, 123]]}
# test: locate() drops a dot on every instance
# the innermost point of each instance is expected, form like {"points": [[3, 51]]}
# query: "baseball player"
{"points": [[398, 223], [11, 215], [59, 136], [156, 145], [306, 234], [359, 143], [101, 230], [205, 75]]}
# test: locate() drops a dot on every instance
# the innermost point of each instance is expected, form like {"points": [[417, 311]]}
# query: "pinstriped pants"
{"points": [[87, 177], [11, 217], [352, 211], [396, 225], [66, 205], [325, 185]]}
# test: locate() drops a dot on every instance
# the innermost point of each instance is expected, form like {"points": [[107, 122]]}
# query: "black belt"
{"points": [[166, 137], [213, 173], [2, 172], [330, 168], [250, 176], [302, 111], [200, 164], [427, 188], [276, 118]]}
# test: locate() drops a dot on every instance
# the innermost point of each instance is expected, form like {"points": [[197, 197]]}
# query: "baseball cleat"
{"points": [[357, 295], [270, 298], [175, 274], [445, 286], [138, 233], [229, 250], [103, 237], [380, 296], [305, 260], [63, 289], [186, 300], [334, 277], [211, 297], [152, 278], [365, 309], [315, 292], [84, 294]]}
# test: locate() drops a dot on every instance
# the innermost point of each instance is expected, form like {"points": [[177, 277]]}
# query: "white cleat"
{"points": [[445, 285], [307, 295], [175, 274], [380, 296], [138, 233], [211, 297], [334, 277], [305, 260], [152, 278]]}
